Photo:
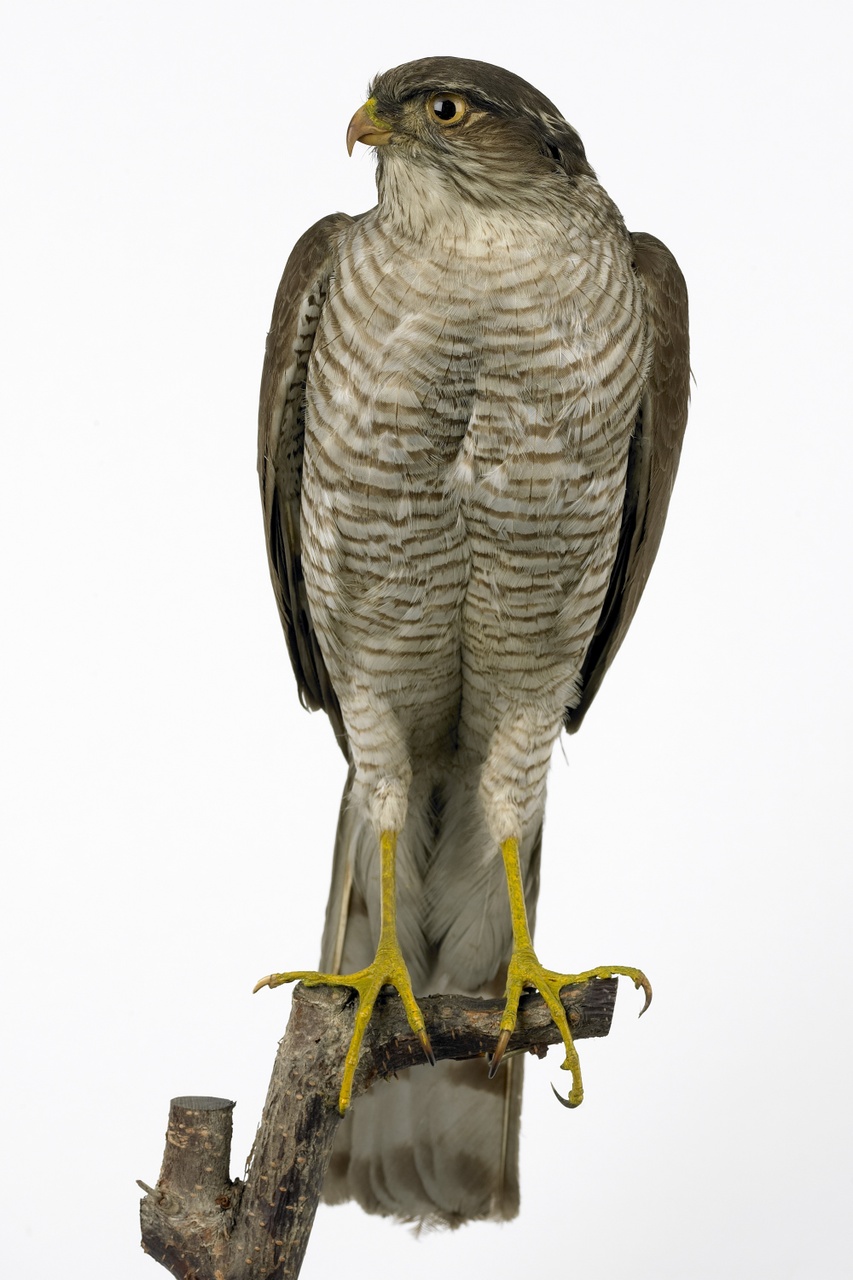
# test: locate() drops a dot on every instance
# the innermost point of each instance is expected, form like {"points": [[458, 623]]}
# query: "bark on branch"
{"points": [[202, 1226]]}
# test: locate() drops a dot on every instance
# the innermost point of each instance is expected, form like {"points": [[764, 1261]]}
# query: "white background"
{"points": [[169, 808]]}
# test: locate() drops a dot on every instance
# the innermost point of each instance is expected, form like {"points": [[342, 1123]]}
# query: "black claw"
{"points": [[564, 1102], [500, 1050], [427, 1047]]}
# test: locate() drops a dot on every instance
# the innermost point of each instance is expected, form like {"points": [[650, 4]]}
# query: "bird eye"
{"points": [[446, 109]]}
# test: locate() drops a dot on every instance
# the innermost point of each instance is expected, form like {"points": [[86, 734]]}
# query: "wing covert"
{"points": [[652, 461], [281, 437]]}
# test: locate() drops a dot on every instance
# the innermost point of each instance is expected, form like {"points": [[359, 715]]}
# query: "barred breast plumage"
{"points": [[470, 404], [476, 362]]}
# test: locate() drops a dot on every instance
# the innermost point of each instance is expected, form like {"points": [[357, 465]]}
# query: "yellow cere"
{"points": [[370, 108]]}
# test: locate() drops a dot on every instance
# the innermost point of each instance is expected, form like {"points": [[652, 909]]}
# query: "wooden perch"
{"points": [[202, 1226]]}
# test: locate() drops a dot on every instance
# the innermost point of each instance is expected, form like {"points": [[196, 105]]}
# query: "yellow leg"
{"points": [[526, 971], [388, 967]]}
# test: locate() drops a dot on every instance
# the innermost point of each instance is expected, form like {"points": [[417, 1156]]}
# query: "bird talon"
{"points": [[525, 970], [567, 1102], [273, 980], [500, 1049], [427, 1047], [388, 969], [642, 982]]}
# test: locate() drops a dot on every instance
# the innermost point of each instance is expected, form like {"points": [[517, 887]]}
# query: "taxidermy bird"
{"points": [[472, 408]]}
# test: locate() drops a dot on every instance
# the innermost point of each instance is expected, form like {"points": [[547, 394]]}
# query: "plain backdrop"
{"points": [[169, 808]]}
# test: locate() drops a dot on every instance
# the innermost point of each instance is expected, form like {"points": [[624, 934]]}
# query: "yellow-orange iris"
{"points": [[447, 108]]}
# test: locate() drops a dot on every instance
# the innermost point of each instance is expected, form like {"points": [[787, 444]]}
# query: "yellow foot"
{"points": [[526, 971], [388, 967]]}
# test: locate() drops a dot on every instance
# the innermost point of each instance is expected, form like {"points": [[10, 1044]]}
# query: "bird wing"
{"points": [[281, 439], [652, 461]]}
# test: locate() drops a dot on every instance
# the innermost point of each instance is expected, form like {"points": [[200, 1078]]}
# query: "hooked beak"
{"points": [[366, 127]]}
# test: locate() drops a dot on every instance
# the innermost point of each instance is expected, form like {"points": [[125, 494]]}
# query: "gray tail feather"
{"points": [[435, 1146], [338, 909]]}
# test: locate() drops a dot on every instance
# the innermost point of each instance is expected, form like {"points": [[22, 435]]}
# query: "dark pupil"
{"points": [[444, 108]]}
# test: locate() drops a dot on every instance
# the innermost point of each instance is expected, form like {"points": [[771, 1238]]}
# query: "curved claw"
{"points": [[427, 1047], [637, 976], [277, 980], [565, 1102], [500, 1049], [268, 981], [642, 981]]}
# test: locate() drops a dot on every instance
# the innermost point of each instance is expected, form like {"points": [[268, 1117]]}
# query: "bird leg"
{"points": [[388, 967], [526, 971]]}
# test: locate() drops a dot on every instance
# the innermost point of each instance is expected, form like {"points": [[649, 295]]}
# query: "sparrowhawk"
{"points": [[472, 408]]}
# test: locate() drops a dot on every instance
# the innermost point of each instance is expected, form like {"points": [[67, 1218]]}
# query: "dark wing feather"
{"points": [[652, 461], [281, 437]]}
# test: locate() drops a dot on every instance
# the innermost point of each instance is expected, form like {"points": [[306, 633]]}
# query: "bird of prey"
{"points": [[471, 415]]}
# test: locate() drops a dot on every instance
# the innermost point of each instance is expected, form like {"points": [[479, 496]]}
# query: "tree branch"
{"points": [[202, 1226]]}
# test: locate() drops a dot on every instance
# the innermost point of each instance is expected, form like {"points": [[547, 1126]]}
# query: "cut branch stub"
{"points": [[198, 1148], [187, 1218]]}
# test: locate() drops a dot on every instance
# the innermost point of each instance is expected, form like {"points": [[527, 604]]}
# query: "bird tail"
{"points": [[434, 1146]]}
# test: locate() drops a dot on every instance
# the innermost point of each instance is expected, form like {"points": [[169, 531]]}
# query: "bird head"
{"points": [[470, 126]]}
